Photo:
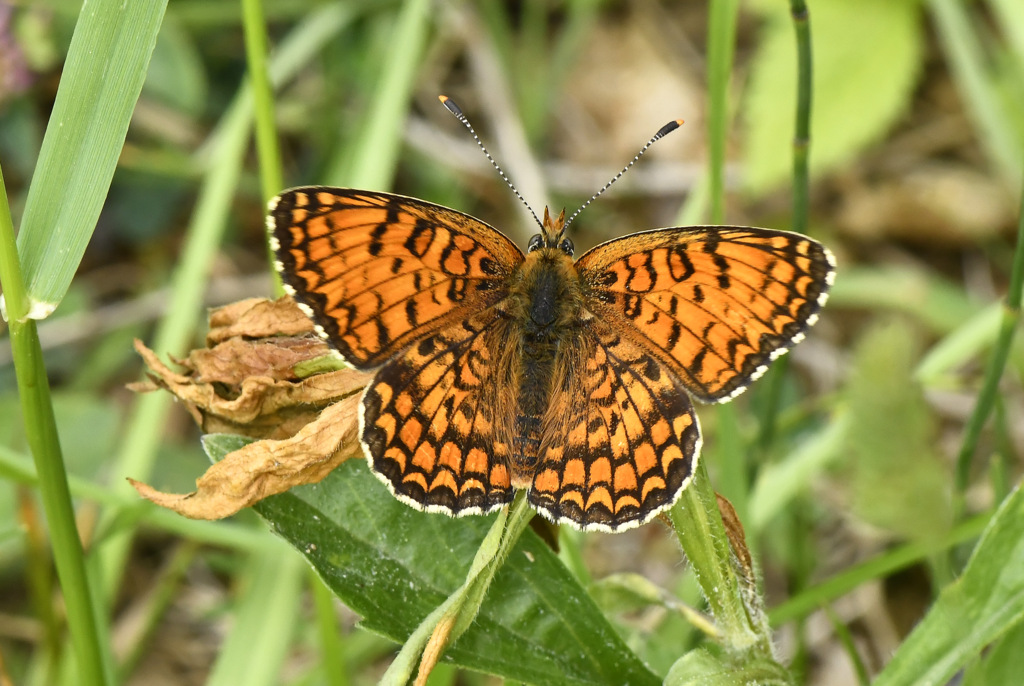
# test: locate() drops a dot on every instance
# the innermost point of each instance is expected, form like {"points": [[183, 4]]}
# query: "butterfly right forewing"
{"points": [[377, 271]]}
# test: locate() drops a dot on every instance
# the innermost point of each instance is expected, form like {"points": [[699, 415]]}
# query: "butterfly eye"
{"points": [[536, 243], [567, 247]]}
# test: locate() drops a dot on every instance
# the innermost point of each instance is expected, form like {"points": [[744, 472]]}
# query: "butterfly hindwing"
{"points": [[435, 421], [377, 271], [716, 304], [620, 440]]}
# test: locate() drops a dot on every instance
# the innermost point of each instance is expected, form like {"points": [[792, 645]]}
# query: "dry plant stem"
{"points": [[743, 630], [994, 370], [41, 431]]}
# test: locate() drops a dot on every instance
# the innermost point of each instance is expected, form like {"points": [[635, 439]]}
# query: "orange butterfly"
{"points": [[499, 371]]}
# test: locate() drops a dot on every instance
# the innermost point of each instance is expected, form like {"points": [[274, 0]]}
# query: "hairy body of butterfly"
{"points": [[499, 371]]}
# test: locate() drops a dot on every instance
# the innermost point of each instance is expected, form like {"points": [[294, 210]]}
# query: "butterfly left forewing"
{"points": [[376, 271], [716, 304], [620, 439]]}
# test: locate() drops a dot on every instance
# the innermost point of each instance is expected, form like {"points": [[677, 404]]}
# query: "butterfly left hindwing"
{"points": [[620, 439]]}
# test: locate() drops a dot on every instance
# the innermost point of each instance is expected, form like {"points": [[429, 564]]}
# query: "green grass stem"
{"points": [[773, 384], [267, 148], [271, 178], [994, 369], [94, 663], [721, 45], [802, 135]]}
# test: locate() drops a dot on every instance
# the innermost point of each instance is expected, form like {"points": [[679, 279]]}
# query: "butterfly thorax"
{"points": [[544, 308]]}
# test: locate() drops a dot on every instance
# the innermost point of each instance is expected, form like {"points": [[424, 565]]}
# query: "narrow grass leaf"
{"points": [[102, 77], [964, 45], [983, 604], [265, 615]]}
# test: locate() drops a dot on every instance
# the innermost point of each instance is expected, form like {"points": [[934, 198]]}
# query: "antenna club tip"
{"points": [[450, 105], [668, 128]]}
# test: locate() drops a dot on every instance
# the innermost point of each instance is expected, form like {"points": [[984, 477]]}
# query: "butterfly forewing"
{"points": [[715, 304], [621, 438], [377, 271]]}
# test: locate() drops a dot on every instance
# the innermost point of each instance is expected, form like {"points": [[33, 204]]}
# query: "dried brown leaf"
{"points": [[268, 467], [246, 384], [258, 318]]}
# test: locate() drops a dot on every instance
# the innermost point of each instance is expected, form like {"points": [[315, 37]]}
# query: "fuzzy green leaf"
{"points": [[889, 439]]}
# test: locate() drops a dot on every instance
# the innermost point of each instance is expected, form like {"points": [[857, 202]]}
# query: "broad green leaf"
{"points": [[986, 602], [102, 76], [867, 55], [394, 565]]}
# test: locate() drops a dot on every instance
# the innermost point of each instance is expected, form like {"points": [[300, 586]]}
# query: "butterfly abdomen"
{"points": [[545, 308]]}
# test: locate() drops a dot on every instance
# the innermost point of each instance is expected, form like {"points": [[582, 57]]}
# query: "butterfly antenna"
{"points": [[457, 111], [662, 132]]}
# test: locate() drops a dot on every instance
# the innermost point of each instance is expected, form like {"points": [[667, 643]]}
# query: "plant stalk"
{"points": [[94, 663]]}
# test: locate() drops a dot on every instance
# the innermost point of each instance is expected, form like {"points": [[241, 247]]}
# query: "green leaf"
{"points": [[889, 440], [701, 668], [102, 77], [1003, 664], [394, 566], [867, 55], [983, 604]]}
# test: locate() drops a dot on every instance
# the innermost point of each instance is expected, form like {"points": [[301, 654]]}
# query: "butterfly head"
{"points": [[552, 235]]}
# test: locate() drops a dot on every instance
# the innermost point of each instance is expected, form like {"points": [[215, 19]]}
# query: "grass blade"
{"points": [[102, 77]]}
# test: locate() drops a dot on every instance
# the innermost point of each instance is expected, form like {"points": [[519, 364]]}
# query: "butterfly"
{"points": [[499, 370]]}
